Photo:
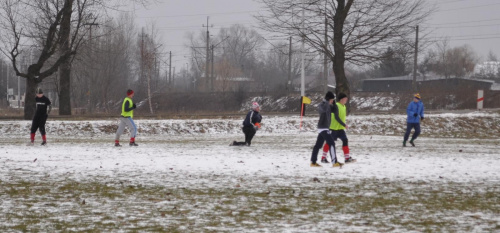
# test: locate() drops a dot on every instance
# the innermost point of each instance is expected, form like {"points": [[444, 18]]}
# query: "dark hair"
{"points": [[329, 95], [341, 96]]}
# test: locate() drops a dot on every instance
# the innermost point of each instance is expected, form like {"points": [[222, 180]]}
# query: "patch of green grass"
{"points": [[372, 204]]}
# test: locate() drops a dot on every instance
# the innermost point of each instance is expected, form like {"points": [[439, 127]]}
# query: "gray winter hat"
{"points": [[39, 91]]}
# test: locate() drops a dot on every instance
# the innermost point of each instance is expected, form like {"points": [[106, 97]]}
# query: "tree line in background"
{"points": [[88, 58]]}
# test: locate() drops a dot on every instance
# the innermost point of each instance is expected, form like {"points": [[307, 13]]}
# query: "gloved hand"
{"points": [[415, 115], [256, 128], [421, 118], [134, 106]]}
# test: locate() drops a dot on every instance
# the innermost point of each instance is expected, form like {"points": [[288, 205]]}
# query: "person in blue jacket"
{"points": [[415, 112]]}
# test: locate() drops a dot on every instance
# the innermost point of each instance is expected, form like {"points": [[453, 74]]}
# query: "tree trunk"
{"points": [[342, 85], [149, 91], [65, 68], [64, 92], [29, 100]]}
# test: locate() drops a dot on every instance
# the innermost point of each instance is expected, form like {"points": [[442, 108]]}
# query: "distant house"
{"points": [[404, 83], [15, 100], [391, 84]]}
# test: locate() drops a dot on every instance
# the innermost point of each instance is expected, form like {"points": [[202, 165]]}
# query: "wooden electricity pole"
{"points": [[207, 57], [414, 82]]}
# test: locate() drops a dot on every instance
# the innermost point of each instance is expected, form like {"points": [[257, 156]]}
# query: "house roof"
{"points": [[420, 78]]}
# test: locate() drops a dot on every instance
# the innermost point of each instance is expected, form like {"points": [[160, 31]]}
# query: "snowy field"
{"points": [[184, 177]]}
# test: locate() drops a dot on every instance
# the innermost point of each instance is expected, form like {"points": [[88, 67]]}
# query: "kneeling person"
{"points": [[250, 125]]}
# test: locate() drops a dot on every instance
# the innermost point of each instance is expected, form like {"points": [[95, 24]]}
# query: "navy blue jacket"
{"points": [[252, 118]]}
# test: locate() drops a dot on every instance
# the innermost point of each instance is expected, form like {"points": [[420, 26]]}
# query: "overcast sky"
{"points": [[472, 22]]}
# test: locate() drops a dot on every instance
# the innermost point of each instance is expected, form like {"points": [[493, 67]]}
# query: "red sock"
{"points": [[117, 142], [44, 138], [346, 151], [32, 137], [132, 140], [326, 148]]}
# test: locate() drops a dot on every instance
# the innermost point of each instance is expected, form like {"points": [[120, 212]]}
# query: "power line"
{"points": [[467, 26], [469, 7], [462, 22], [477, 38], [453, 1], [472, 36], [204, 14], [222, 23]]}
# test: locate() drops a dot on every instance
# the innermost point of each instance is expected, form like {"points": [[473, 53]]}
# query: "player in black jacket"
{"points": [[43, 107], [250, 125]]}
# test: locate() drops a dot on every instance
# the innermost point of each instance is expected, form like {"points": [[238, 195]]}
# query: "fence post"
{"points": [[480, 99]]}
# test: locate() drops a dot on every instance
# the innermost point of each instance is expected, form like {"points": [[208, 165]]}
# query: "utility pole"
{"points": [[19, 88], [325, 63], [289, 83], [170, 68], [302, 72], [212, 69], [7, 76], [207, 56], [212, 78], [142, 55], [414, 83]]}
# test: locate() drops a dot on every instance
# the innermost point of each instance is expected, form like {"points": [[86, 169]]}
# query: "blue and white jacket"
{"points": [[252, 118]]}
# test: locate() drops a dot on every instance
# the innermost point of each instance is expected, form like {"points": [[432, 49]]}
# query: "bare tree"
{"points": [[226, 75], [54, 28], [274, 70], [492, 56], [150, 51], [106, 67], [237, 45], [240, 45], [455, 62], [358, 31], [397, 60], [197, 45]]}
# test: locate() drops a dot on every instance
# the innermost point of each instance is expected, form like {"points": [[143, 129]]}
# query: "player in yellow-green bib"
{"points": [[338, 127], [126, 119]]}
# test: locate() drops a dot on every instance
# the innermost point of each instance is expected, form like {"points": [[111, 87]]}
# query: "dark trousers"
{"points": [[38, 123], [336, 134], [249, 133], [322, 137], [410, 126]]}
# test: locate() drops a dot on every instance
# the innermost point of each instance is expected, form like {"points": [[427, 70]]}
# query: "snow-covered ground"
{"points": [[184, 177]]}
